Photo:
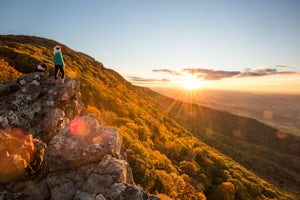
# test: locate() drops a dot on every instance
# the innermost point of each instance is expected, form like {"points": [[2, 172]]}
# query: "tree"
{"points": [[224, 191]]}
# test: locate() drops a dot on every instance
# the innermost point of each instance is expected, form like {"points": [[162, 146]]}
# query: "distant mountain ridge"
{"points": [[165, 142]]}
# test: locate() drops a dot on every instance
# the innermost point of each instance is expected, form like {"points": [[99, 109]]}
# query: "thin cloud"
{"points": [[168, 71], [140, 79], [217, 75], [284, 65], [263, 72], [209, 74], [258, 72]]}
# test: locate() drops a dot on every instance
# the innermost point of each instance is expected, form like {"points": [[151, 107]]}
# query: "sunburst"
{"points": [[191, 82]]}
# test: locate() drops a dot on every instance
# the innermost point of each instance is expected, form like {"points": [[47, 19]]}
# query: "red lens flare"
{"points": [[78, 127]]}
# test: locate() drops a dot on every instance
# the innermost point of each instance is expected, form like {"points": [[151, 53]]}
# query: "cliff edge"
{"points": [[51, 148]]}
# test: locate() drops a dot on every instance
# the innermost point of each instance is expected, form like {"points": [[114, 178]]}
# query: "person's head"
{"points": [[57, 48]]}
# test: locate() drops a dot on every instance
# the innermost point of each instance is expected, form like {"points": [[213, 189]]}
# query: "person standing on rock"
{"points": [[58, 63]]}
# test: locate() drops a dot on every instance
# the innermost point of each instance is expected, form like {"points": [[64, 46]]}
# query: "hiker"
{"points": [[58, 63], [41, 68]]}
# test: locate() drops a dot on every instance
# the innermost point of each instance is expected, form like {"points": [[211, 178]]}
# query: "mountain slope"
{"points": [[164, 145], [266, 151], [278, 110]]}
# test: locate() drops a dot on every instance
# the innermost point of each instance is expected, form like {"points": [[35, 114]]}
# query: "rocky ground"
{"points": [[51, 148]]}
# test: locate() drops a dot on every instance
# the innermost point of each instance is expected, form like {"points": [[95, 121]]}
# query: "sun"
{"points": [[191, 82]]}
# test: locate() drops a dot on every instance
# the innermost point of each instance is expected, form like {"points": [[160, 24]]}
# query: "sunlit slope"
{"points": [[271, 153], [164, 149]]}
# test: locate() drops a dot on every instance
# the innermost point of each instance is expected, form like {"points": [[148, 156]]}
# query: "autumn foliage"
{"points": [[166, 156]]}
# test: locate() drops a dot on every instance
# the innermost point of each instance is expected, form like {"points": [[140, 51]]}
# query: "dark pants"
{"points": [[61, 69]]}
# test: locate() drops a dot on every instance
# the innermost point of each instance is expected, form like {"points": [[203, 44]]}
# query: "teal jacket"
{"points": [[58, 59]]}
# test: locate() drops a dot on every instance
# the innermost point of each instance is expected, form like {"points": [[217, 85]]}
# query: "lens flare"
{"points": [[16, 151], [78, 127]]}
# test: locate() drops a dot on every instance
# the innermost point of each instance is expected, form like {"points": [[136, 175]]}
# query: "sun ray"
{"points": [[191, 82]]}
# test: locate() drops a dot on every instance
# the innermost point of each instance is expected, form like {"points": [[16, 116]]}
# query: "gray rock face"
{"points": [[83, 141], [38, 105], [67, 153]]}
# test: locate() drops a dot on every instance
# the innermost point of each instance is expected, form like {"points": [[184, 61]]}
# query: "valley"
{"points": [[278, 110]]}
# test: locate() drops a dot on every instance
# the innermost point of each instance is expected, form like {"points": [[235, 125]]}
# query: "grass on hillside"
{"points": [[165, 157]]}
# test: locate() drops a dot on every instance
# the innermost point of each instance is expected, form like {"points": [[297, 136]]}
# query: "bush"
{"points": [[21, 62], [7, 73], [224, 191], [189, 168]]}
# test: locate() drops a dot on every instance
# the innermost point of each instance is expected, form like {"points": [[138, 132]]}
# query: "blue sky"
{"points": [[147, 41]]}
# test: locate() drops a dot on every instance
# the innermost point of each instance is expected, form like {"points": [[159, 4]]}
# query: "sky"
{"points": [[223, 44]]}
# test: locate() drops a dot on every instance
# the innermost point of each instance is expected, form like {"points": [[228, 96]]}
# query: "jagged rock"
{"points": [[133, 192], [52, 123], [8, 88], [35, 98], [29, 190], [61, 154], [62, 185], [38, 155], [97, 183], [88, 196], [129, 192], [66, 184], [120, 168]]}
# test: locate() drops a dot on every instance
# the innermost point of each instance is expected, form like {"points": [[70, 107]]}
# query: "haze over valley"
{"points": [[278, 110]]}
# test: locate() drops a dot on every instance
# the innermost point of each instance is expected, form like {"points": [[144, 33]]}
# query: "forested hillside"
{"points": [[181, 150]]}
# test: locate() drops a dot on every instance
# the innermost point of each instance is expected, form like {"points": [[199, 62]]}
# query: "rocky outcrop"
{"points": [[52, 149], [36, 104]]}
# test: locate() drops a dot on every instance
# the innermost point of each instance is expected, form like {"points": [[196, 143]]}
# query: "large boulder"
{"points": [[82, 142]]}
